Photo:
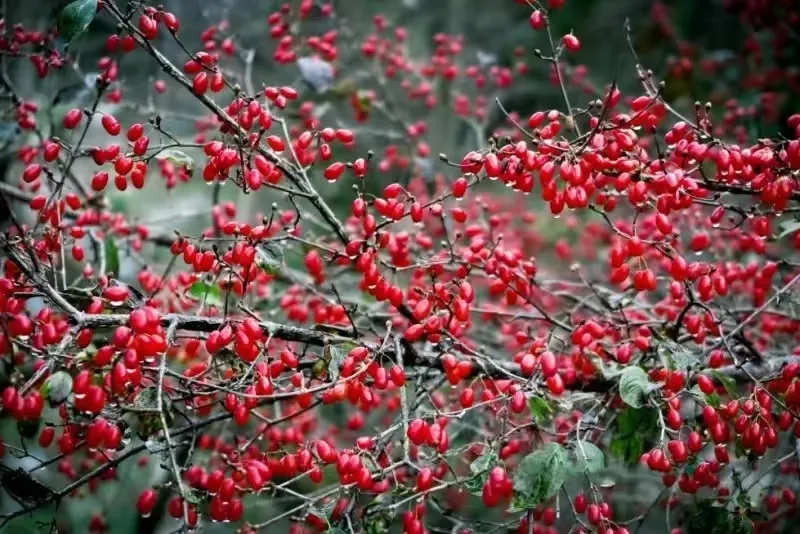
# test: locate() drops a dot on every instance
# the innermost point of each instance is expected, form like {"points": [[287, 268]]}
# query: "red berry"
{"points": [[571, 43], [72, 118], [334, 171], [111, 125]]}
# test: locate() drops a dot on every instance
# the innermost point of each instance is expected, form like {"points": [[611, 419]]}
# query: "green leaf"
{"points": [[75, 18], [541, 410], [691, 466], [323, 509], [634, 386], [269, 258], [320, 368], [210, 294], [588, 457], [363, 101], [57, 388], [158, 447], [541, 474], [335, 356], [727, 382], [377, 525], [519, 504], [634, 430], [484, 462], [675, 356], [712, 399], [475, 484], [178, 157], [621, 301], [709, 518], [480, 470], [112, 255], [146, 399], [788, 228]]}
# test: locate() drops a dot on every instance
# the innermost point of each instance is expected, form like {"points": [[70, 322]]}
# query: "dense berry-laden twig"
{"points": [[642, 310]]}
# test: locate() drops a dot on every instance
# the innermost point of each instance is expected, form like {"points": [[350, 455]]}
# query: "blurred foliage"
{"points": [[497, 30]]}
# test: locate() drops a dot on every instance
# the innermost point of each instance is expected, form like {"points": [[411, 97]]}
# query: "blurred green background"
{"points": [[493, 29]]}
